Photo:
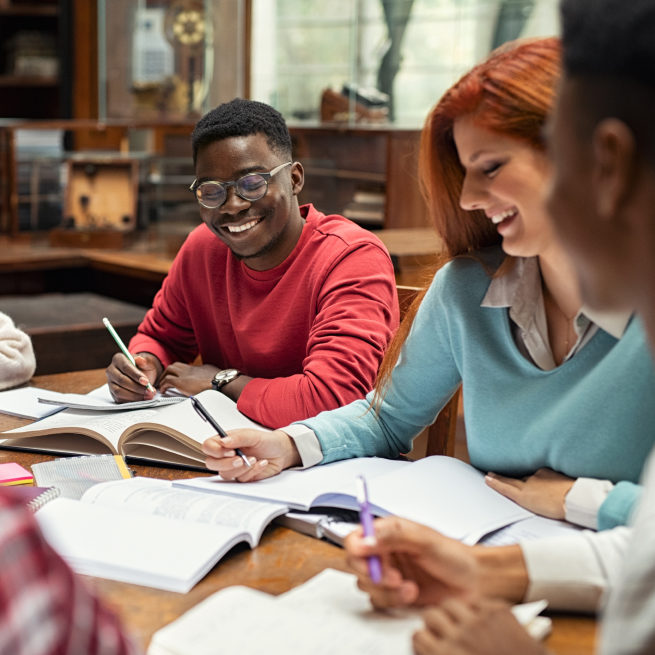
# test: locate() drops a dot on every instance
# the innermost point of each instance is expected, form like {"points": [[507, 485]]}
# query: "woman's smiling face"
{"points": [[506, 178]]}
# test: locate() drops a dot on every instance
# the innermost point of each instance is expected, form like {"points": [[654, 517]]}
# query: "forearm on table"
{"points": [[502, 572]]}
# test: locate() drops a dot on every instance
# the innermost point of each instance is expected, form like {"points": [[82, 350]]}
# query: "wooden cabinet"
{"points": [[365, 173], [35, 59]]}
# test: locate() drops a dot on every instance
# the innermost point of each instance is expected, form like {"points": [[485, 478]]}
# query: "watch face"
{"points": [[223, 377]]}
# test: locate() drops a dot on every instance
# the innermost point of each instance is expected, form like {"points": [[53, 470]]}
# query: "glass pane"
{"points": [[332, 59], [155, 58]]}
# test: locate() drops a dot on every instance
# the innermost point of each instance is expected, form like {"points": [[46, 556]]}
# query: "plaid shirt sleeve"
{"points": [[44, 608]]}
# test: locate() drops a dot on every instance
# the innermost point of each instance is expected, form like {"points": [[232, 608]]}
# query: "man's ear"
{"points": [[297, 177], [614, 163]]}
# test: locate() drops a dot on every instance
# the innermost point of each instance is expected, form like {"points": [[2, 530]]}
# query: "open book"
{"points": [[144, 531], [444, 493], [325, 615], [171, 434]]}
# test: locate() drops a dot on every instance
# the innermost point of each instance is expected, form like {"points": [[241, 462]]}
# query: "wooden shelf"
{"points": [[27, 81], [29, 10], [342, 163]]}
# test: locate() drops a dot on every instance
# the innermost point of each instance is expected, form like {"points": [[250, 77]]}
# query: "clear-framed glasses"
{"points": [[253, 186]]}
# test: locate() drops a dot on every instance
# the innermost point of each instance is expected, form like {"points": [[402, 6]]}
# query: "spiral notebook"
{"points": [[72, 476], [34, 498]]}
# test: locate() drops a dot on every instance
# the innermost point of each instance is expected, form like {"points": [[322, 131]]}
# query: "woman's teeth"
{"points": [[499, 218]]}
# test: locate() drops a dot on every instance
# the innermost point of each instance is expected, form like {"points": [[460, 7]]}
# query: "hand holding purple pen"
{"points": [[366, 519]]}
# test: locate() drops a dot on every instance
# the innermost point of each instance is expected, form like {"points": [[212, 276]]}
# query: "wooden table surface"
{"points": [[283, 559]]}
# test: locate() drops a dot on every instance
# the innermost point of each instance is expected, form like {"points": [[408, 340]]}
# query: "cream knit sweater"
{"points": [[17, 363]]}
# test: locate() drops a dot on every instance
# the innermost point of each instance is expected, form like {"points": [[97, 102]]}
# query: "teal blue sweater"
{"points": [[593, 416]]}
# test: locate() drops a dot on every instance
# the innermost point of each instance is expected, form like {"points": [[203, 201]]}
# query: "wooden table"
{"points": [[283, 559]]}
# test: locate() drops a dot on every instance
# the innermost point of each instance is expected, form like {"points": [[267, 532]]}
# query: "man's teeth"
{"points": [[242, 228], [499, 218]]}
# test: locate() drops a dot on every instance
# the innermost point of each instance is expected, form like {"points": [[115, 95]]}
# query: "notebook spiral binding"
{"points": [[37, 503]]}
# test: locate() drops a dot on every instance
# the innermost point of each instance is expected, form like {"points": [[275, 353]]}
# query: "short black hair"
{"points": [[608, 49], [241, 117], [609, 38]]}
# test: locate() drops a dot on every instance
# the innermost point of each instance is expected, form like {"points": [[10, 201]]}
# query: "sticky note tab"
{"points": [[13, 473]]}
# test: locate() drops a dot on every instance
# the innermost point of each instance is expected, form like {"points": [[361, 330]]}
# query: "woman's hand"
{"points": [[268, 452], [542, 493]]}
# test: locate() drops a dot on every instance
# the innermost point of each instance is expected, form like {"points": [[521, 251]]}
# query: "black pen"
{"points": [[206, 416]]}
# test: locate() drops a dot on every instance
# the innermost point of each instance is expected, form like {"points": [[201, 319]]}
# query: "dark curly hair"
{"points": [[241, 117], [609, 50], [609, 38]]}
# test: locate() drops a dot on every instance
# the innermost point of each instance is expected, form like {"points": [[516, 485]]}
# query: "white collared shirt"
{"points": [[520, 290]]}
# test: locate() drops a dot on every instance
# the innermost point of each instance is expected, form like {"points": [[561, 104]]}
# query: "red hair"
{"points": [[511, 93]]}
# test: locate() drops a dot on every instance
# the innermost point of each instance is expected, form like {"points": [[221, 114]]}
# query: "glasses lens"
{"points": [[251, 187], [210, 194]]}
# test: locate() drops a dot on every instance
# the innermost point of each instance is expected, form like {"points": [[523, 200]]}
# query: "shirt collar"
{"points": [[520, 290]]}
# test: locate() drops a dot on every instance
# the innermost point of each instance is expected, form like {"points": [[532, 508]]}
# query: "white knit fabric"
{"points": [[17, 363]]}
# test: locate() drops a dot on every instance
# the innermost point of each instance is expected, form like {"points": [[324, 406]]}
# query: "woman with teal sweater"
{"points": [[557, 400]]}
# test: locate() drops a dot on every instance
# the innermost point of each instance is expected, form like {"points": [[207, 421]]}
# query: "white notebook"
{"points": [[326, 615]]}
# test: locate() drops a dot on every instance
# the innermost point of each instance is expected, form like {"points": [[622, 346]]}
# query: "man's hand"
{"points": [[268, 452], [478, 627], [127, 383], [542, 493], [187, 378], [419, 565]]}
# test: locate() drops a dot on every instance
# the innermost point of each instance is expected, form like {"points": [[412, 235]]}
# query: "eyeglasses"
{"points": [[250, 187]]}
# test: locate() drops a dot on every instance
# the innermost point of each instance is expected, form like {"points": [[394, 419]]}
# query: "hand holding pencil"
{"points": [[123, 385]]}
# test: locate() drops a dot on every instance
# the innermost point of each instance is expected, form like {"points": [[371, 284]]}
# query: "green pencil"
{"points": [[123, 347]]}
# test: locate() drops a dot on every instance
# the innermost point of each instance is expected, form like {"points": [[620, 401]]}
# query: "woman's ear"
{"points": [[614, 165], [297, 177]]}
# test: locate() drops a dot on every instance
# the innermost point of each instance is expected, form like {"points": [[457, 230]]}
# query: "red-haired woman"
{"points": [[557, 400]]}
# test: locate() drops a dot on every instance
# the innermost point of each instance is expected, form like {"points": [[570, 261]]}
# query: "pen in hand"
{"points": [[123, 347], [206, 416], [366, 519]]}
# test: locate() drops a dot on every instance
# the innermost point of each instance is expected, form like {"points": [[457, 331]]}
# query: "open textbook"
{"points": [[144, 531], [444, 493], [325, 615], [171, 434]]}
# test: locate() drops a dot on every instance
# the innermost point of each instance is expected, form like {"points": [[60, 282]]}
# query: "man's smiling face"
{"points": [[262, 232]]}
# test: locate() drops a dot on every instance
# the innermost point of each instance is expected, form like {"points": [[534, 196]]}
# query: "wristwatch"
{"points": [[224, 377]]}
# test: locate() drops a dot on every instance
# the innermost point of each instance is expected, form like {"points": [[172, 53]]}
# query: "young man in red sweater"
{"points": [[290, 310]]}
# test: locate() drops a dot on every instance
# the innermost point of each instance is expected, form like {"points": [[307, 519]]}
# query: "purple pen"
{"points": [[366, 519]]}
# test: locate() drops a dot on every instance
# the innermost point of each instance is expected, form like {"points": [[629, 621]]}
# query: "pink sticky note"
{"points": [[13, 473]]}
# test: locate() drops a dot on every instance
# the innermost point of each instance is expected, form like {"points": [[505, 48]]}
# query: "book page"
{"points": [[306, 488], [186, 429], [133, 547], [448, 495], [73, 431], [443, 493], [160, 498]]}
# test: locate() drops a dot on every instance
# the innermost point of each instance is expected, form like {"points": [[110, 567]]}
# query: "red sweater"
{"points": [[311, 331]]}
